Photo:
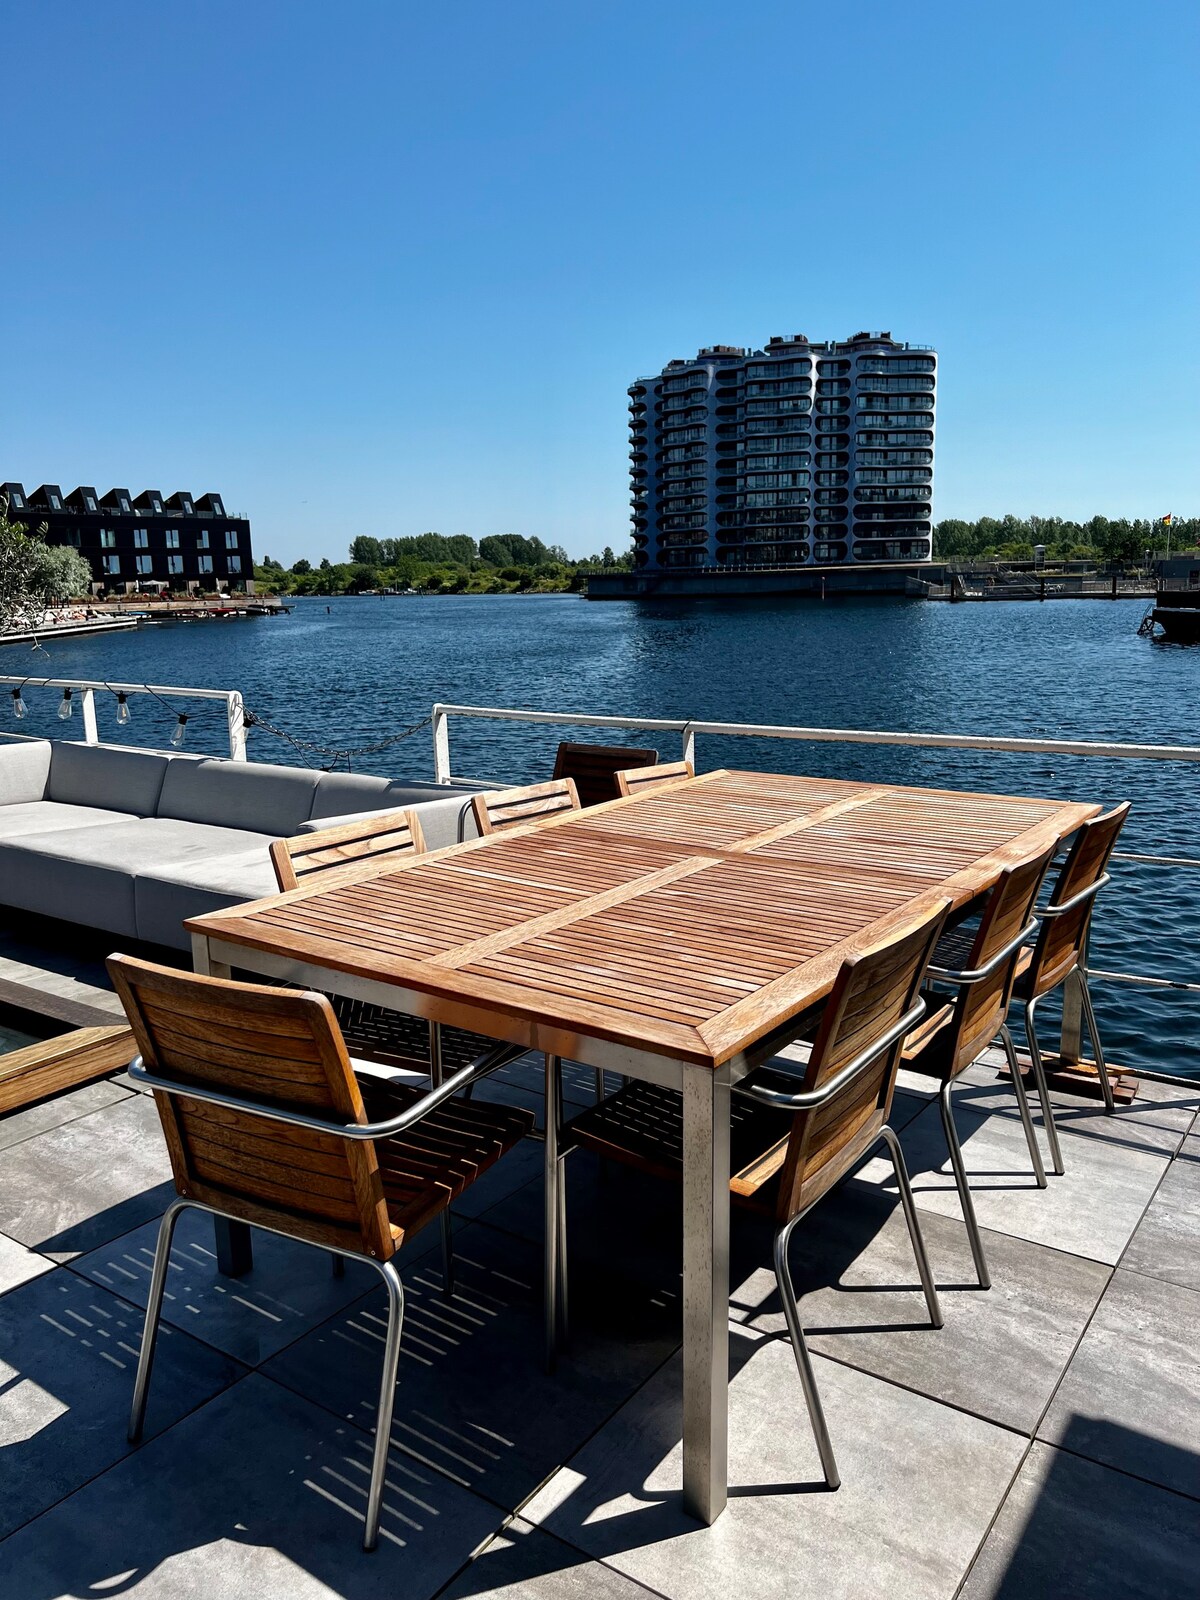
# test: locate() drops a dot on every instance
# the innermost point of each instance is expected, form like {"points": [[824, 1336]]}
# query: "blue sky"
{"points": [[383, 267]]}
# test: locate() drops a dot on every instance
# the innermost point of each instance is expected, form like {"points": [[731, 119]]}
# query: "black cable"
{"points": [[335, 753]]}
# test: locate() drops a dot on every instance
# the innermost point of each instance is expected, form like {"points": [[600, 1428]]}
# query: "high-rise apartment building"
{"points": [[793, 455]]}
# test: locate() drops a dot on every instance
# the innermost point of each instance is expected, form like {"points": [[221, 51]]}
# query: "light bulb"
{"points": [[122, 710], [65, 707], [19, 706], [180, 732]]}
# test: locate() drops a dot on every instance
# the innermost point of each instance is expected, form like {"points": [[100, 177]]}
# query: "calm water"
{"points": [[366, 667]]}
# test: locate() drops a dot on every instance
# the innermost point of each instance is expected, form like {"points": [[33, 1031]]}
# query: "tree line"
{"points": [[1101, 539], [440, 563]]}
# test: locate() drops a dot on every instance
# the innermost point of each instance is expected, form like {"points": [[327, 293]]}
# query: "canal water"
{"points": [[352, 671]]}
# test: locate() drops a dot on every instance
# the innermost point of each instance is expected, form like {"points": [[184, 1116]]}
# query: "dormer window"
{"points": [[155, 503], [89, 502], [55, 502], [16, 500], [123, 503], [187, 505]]}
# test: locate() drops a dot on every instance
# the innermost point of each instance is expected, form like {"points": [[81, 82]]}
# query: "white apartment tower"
{"points": [[798, 454]]}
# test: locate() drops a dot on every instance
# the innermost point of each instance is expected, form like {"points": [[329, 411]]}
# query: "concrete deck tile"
{"points": [[89, 1097], [1090, 1211], [1157, 1119], [473, 1399], [77, 1186], [920, 1485], [258, 1494], [1167, 1242], [522, 1563], [18, 1264], [1131, 1396], [289, 1290], [1001, 1351], [68, 1352], [1071, 1528]]}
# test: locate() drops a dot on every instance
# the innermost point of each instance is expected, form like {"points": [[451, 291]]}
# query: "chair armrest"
{"points": [[812, 1098], [1089, 893], [978, 974], [481, 1067]]}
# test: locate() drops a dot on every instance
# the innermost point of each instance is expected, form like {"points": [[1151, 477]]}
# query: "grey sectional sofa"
{"points": [[134, 841]]}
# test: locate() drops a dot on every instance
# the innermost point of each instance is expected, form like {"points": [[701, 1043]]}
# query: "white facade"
{"points": [[794, 455]]}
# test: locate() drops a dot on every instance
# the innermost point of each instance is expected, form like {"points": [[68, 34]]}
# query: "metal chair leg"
{"points": [[1110, 1104], [553, 1211], [914, 1226], [808, 1381], [338, 1264], [387, 1400], [964, 1192], [158, 1282], [600, 1090], [1043, 1089], [564, 1325], [1018, 1083]]}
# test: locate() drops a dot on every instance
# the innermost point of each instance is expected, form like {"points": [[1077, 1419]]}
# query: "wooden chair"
{"points": [[594, 768], [796, 1130], [508, 808], [640, 779], [1061, 948], [958, 1031], [266, 1124], [366, 838]]}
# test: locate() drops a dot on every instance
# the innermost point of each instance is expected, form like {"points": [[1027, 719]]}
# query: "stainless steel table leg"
{"points": [[705, 1291]]}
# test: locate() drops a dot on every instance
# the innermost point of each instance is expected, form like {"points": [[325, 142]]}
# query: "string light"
{"points": [[180, 732], [66, 706], [19, 706], [122, 709]]}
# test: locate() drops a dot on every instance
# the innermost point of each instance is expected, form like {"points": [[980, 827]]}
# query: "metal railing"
{"points": [[86, 690]]}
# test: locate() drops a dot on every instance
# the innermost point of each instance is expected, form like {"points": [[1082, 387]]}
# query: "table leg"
{"points": [[1071, 1043], [235, 1252], [705, 1291]]}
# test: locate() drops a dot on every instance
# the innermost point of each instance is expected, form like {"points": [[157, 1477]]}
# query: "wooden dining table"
{"points": [[676, 936]]}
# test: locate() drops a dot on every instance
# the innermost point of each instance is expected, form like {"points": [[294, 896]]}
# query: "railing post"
{"points": [[235, 712], [441, 745], [689, 745], [90, 734]]}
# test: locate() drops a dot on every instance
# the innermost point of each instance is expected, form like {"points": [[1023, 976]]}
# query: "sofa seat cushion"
{"points": [[215, 869], [80, 875], [48, 816], [237, 794]]}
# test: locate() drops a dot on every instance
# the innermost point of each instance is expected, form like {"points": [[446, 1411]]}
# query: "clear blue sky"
{"points": [[389, 267]]}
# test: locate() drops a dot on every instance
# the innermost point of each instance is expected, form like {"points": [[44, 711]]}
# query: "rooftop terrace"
{"points": [[1042, 1443]]}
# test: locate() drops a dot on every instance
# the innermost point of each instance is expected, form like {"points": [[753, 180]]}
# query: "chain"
{"points": [[334, 753]]}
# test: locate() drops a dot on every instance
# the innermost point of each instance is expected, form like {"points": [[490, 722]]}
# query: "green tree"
{"points": [[496, 552], [302, 567], [365, 551], [60, 573]]}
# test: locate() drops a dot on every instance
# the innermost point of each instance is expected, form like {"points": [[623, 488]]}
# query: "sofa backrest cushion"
{"points": [[237, 794], [345, 793], [106, 775], [24, 769]]}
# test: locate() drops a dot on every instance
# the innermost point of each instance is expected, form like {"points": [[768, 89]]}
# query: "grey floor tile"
{"points": [[89, 1097], [68, 1351], [76, 1186], [1090, 1211], [473, 1399], [1167, 1242], [18, 1264], [1001, 1351], [522, 1563], [1157, 1119], [289, 1290], [258, 1494], [920, 1485], [1071, 1530], [1131, 1396]]}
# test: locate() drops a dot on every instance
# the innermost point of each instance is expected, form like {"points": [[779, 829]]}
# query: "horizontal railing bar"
{"points": [[1156, 861], [573, 718], [106, 683], [1143, 983], [953, 741]]}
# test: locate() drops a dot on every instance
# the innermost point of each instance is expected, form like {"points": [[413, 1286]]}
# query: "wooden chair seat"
{"points": [[426, 1168], [394, 1038]]}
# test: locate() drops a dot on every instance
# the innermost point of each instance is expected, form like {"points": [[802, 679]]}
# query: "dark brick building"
{"points": [[135, 543]]}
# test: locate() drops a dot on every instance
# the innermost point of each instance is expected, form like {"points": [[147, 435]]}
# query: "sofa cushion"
{"points": [[46, 816], [237, 794], [347, 793], [440, 820], [204, 883], [79, 880], [24, 769], [106, 775]]}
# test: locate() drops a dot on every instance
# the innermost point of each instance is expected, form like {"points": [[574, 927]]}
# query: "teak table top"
{"points": [[690, 921]]}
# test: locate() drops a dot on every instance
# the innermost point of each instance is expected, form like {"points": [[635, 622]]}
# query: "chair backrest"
{"points": [[276, 1047], [307, 855], [594, 768], [642, 778], [1061, 940], [980, 1009], [506, 808], [872, 992]]}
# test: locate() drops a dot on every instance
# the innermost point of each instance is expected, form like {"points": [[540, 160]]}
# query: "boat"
{"points": [[1177, 612]]}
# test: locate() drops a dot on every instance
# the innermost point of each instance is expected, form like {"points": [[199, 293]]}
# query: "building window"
{"points": [[108, 539], [141, 539], [231, 539], [71, 536], [145, 566], [55, 502], [174, 565], [89, 502], [172, 538], [202, 541], [234, 563], [205, 563], [112, 565], [16, 500], [123, 503], [156, 505], [186, 504]]}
